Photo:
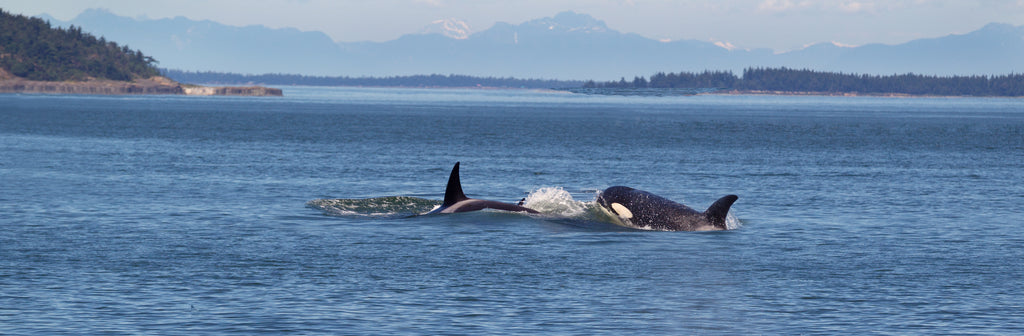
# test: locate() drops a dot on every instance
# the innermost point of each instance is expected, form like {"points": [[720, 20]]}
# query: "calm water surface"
{"points": [[205, 215]]}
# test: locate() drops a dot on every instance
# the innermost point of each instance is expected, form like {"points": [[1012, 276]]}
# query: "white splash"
{"points": [[555, 201], [731, 222]]}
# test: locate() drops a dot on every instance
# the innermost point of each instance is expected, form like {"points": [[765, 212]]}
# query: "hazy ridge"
{"points": [[567, 46]]}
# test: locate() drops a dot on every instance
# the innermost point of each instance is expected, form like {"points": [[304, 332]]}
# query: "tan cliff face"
{"points": [[99, 87], [231, 91], [152, 85]]}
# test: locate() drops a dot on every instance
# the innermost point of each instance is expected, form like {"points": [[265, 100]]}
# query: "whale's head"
{"points": [[618, 199], [641, 209]]}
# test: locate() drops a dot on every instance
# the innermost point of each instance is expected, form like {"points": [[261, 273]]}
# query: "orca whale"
{"points": [[456, 201], [641, 209]]}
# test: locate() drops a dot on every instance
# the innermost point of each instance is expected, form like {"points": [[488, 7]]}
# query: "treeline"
{"points": [[792, 80], [392, 81], [30, 48], [682, 80]]}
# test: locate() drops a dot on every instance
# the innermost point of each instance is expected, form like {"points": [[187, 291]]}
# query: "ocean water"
{"points": [[295, 215]]}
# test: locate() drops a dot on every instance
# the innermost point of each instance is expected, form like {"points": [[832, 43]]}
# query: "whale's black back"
{"points": [[457, 201]]}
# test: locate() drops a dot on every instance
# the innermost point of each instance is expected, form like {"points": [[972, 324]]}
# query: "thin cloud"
{"points": [[432, 3], [857, 7], [824, 6], [782, 5]]}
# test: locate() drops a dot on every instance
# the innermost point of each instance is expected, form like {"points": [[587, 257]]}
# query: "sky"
{"points": [[781, 25]]}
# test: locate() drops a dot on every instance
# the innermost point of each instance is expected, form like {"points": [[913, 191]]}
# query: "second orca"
{"points": [[456, 201], [644, 210]]}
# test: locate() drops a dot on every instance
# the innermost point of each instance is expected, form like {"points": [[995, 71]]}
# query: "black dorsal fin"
{"points": [[453, 193], [716, 212]]}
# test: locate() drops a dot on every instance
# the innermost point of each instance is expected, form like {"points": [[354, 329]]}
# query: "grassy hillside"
{"points": [[31, 49]]}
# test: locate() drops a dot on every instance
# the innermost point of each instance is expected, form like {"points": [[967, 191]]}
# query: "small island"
{"points": [[37, 58], [804, 82]]}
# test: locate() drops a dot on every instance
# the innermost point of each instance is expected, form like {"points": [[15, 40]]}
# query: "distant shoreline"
{"points": [[838, 94], [165, 86], [149, 86], [669, 92]]}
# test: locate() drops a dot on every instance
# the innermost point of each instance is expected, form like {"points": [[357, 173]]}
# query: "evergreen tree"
{"points": [[804, 80], [31, 49]]}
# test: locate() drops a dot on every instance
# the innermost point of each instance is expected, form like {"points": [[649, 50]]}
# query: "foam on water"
{"points": [[390, 206]]}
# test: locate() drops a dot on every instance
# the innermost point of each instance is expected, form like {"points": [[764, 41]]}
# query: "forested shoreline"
{"points": [[31, 49], [770, 80], [785, 80], [38, 58], [435, 80]]}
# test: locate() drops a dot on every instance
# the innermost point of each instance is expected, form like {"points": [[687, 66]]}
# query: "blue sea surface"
{"points": [[292, 215]]}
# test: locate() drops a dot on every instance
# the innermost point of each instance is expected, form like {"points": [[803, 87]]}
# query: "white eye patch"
{"points": [[622, 211]]}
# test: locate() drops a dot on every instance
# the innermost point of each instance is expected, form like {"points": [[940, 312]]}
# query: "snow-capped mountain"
{"points": [[453, 28], [567, 22], [566, 46]]}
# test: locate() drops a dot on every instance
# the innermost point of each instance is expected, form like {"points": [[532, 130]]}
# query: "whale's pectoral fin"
{"points": [[717, 212], [453, 193]]}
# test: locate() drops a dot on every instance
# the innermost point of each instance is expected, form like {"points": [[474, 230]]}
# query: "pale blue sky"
{"points": [[778, 24]]}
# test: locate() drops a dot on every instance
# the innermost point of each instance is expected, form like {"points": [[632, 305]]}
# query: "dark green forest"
{"points": [[393, 81], [31, 49], [792, 80]]}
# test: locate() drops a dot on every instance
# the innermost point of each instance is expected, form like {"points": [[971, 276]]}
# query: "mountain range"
{"points": [[568, 45]]}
